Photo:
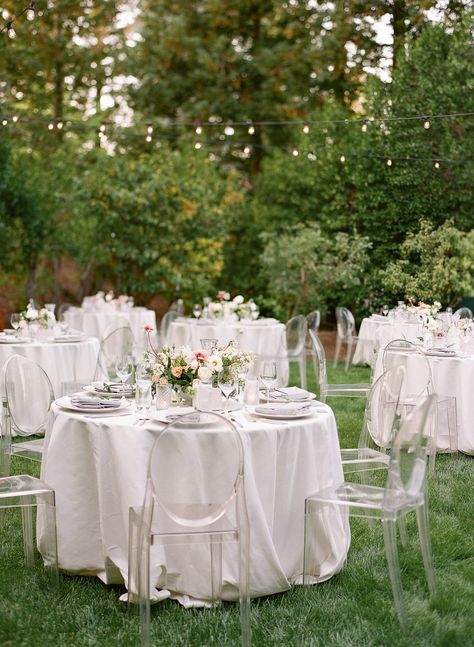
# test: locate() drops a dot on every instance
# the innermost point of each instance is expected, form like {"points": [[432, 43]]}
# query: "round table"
{"points": [[62, 361], [265, 338], [93, 323], [97, 466], [451, 376], [377, 331]]}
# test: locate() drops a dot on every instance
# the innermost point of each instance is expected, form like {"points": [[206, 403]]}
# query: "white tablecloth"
{"points": [[94, 322], [62, 361], [452, 376], [264, 337], [98, 466], [377, 331]]}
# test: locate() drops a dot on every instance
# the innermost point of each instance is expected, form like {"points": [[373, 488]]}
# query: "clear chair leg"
{"points": [[27, 522], [390, 537], [423, 531]]}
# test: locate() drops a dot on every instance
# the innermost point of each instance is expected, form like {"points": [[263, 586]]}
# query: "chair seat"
{"points": [[367, 498], [32, 449], [363, 458], [22, 485]]}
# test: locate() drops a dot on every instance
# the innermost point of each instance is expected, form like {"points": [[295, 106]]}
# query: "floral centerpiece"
{"points": [[423, 310], [179, 367], [41, 316], [224, 306]]}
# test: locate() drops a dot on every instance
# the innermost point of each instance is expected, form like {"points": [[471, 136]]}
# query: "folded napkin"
{"points": [[113, 387], [442, 350], [284, 409], [291, 394], [91, 402]]}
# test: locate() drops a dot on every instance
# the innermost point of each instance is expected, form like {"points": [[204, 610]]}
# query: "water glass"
{"points": [[208, 344], [385, 310], [268, 376], [163, 396], [227, 382], [197, 310], [15, 322], [124, 368]]}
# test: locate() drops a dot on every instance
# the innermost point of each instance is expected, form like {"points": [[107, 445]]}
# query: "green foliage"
{"points": [[435, 264], [306, 269], [158, 222]]}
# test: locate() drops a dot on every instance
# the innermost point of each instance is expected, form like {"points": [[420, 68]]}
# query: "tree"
{"points": [[306, 269], [435, 264]]}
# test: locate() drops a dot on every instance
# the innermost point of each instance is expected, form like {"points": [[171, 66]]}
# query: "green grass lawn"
{"points": [[353, 608]]}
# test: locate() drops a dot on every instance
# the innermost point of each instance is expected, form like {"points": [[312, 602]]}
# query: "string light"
{"points": [[50, 126], [4, 122], [198, 145], [149, 129], [229, 131], [437, 164], [389, 162], [10, 29], [102, 128], [15, 118], [426, 124], [59, 125], [30, 12], [251, 130], [295, 152], [198, 130], [364, 128], [306, 129], [342, 158], [148, 138]]}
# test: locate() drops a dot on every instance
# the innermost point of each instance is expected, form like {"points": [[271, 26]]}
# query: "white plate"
{"points": [[282, 399], [282, 416], [107, 394], [66, 340], [440, 353], [65, 403], [174, 413], [8, 339]]}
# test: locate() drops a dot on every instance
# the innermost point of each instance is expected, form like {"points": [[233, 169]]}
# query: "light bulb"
{"points": [[30, 12], [295, 152], [247, 150], [306, 129], [59, 125], [229, 131], [149, 129], [10, 31], [102, 128], [342, 158], [4, 122], [251, 130], [198, 130], [15, 118], [426, 124], [148, 138], [364, 128], [389, 162], [437, 164], [50, 126], [197, 145]]}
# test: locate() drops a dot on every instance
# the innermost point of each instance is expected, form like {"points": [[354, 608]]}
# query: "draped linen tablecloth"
{"points": [[93, 323], [98, 467], [377, 331], [265, 338], [451, 376], [62, 361]]}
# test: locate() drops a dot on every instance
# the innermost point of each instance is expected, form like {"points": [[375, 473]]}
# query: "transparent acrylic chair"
{"points": [[166, 321], [404, 492], [326, 390], [419, 382], [345, 334], [463, 313], [379, 424], [295, 331], [27, 399], [194, 500], [26, 492], [116, 342]]}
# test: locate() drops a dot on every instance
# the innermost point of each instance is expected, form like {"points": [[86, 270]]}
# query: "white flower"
{"points": [[215, 363], [239, 299], [204, 373], [23, 324], [193, 364]]}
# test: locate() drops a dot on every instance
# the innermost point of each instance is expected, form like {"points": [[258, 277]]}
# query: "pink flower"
{"points": [[155, 378], [177, 371], [148, 328], [200, 356]]}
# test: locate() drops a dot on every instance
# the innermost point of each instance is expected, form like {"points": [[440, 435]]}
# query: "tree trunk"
{"points": [[59, 96], [31, 284], [399, 15], [84, 277]]}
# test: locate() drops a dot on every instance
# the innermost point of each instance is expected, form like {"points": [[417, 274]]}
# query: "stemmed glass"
{"points": [[197, 310], [208, 344], [226, 382], [15, 322], [143, 384], [268, 376], [124, 368], [385, 310]]}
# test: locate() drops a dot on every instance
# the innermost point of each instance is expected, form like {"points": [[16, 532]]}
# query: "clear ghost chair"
{"points": [[418, 383], [194, 501], [313, 320], [345, 334], [295, 331], [116, 342], [463, 313], [320, 370], [27, 399], [379, 423], [404, 492], [26, 492], [166, 320]]}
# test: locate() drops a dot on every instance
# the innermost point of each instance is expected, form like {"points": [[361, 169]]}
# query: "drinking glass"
{"points": [[385, 310], [15, 322], [268, 376], [124, 368], [143, 374], [226, 382], [50, 307], [33, 328], [197, 310]]}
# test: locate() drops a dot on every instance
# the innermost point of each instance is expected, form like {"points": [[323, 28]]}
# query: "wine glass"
{"points": [[15, 322], [124, 368], [226, 382], [197, 310], [385, 310], [268, 376], [208, 344]]}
